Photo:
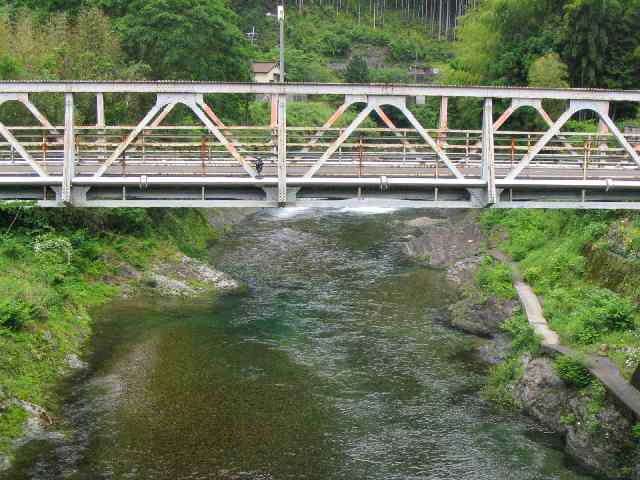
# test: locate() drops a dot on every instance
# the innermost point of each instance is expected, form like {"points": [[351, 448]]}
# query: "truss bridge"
{"points": [[195, 159]]}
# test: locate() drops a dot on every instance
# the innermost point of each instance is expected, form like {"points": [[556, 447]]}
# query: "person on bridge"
{"points": [[259, 166]]}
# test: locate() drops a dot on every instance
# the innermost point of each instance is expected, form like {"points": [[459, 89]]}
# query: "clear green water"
{"points": [[338, 364]]}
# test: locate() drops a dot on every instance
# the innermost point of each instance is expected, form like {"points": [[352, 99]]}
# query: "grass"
{"points": [[495, 279], [502, 377], [569, 258], [56, 265], [11, 426], [573, 371]]}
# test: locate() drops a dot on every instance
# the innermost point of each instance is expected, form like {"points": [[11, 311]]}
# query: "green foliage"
{"points": [[307, 114], [502, 377], [320, 31], [566, 257], [11, 425], [15, 313], [523, 336], [585, 314], [573, 371], [569, 419], [357, 71], [478, 43], [499, 386], [60, 47], [415, 46], [548, 71], [596, 404], [502, 42], [54, 264], [589, 25], [186, 39], [428, 113], [389, 75], [494, 279], [301, 66]]}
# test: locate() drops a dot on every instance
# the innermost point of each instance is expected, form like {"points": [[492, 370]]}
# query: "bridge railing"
{"points": [[211, 163]]}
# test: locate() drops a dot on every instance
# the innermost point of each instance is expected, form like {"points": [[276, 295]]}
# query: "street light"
{"points": [[280, 17]]}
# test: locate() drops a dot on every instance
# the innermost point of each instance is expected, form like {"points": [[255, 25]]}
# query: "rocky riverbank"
{"points": [[596, 431], [178, 275], [457, 243]]}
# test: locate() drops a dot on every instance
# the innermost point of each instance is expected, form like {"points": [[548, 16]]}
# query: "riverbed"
{"points": [[338, 363]]}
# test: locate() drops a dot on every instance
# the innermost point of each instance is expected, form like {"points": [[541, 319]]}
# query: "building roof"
{"points": [[263, 67]]}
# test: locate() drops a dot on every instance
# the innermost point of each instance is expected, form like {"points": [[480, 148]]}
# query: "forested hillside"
{"points": [[584, 43]]}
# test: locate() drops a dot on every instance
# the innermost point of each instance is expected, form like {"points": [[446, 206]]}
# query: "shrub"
{"points": [[499, 387], [524, 338], [585, 314], [573, 371], [54, 248], [13, 247], [494, 278], [15, 313]]}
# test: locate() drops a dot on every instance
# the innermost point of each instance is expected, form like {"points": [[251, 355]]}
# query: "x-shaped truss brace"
{"points": [[516, 104], [601, 108], [164, 104], [350, 100], [15, 144], [374, 102], [536, 104]]}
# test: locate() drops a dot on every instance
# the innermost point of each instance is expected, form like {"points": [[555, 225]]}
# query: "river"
{"points": [[337, 364]]}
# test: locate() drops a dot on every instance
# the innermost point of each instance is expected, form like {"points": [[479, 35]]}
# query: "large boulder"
{"points": [[481, 317], [442, 242], [542, 393], [596, 433]]}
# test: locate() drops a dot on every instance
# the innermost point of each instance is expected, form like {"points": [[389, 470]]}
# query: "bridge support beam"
{"points": [[488, 152], [69, 149], [443, 120], [282, 150]]}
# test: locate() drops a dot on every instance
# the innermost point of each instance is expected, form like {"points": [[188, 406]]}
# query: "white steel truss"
{"points": [[374, 103], [600, 108], [318, 165]]}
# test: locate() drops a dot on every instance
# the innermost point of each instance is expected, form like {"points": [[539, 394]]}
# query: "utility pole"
{"points": [[280, 17], [252, 35], [281, 22]]}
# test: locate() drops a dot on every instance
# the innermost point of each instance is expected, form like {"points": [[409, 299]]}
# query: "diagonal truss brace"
{"points": [[373, 102], [348, 101], [601, 108], [197, 106], [534, 103], [339, 141], [430, 141], [15, 144], [389, 123], [164, 104]]}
